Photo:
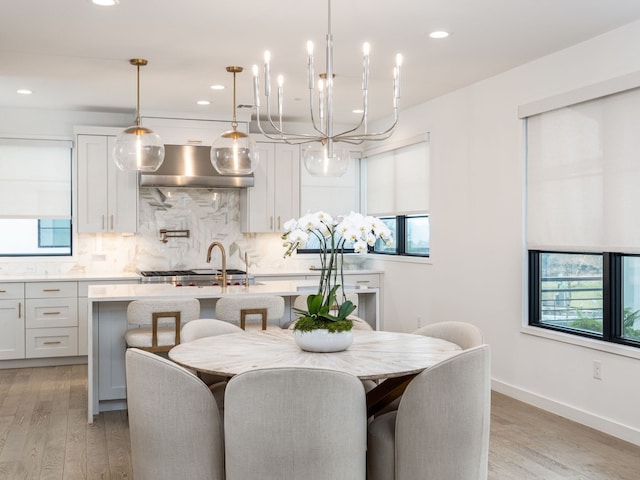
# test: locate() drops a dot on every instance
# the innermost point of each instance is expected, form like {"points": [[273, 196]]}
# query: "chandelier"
{"points": [[138, 148], [321, 155]]}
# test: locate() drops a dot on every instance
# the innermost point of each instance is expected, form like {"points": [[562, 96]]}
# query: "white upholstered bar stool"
{"points": [[240, 310], [160, 322]]}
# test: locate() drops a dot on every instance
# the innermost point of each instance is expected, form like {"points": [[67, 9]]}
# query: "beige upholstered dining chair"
{"points": [[174, 425], [239, 310], [164, 319], [463, 334], [210, 327], [293, 423], [441, 428]]}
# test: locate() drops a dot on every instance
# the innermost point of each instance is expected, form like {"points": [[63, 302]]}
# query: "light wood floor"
{"points": [[44, 435]]}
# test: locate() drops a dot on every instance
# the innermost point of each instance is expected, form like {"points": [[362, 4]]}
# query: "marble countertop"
{"points": [[112, 293], [69, 276]]}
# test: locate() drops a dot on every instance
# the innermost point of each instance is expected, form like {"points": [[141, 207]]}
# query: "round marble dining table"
{"points": [[373, 354]]}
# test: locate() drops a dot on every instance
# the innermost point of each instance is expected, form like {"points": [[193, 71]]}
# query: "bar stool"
{"points": [[160, 322], [240, 309]]}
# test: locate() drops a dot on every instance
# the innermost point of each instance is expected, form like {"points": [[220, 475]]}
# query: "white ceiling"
{"points": [[74, 55]]}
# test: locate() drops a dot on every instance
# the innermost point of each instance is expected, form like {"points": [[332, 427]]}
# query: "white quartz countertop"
{"points": [[69, 277], [112, 293]]}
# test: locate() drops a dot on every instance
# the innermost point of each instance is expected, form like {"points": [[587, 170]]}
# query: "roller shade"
{"points": [[35, 178]]}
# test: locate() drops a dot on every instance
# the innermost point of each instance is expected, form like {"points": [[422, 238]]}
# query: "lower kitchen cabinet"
{"points": [[51, 319], [11, 321]]}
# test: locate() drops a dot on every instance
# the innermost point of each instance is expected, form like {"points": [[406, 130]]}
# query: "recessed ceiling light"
{"points": [[439, 34], [217, 87], [24, 91], [105, 3], [203, 102]]}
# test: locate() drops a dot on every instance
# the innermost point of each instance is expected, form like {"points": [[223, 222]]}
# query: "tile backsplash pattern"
{"points": [[209, 214]]}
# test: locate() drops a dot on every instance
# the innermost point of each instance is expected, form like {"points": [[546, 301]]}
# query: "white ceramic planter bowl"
{"points": [[323, 341]]}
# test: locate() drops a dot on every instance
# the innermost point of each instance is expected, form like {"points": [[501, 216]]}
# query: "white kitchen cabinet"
{"points": [[107, 197], [334, 195], [11, 321], [51, 319], [275, 197]]}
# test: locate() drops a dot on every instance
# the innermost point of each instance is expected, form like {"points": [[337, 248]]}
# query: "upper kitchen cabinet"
{"points": [[275, 197], [334, 195], [107, 196]]}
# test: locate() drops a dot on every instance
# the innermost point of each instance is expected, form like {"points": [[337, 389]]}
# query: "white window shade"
{"points": [[35, 179], [398, 181], [583, 176]]}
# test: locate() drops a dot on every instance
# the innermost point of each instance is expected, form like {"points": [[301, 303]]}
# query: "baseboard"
{"points": [[596, 422], [43, 362]]}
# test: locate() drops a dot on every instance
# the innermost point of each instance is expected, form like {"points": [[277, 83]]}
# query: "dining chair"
{"points": [[174, 424], [159, 322], [463, 334], [239, 310], [210, 327], [441, 428], [292, 423]]}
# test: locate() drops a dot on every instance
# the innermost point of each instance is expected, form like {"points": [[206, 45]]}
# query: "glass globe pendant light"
{"points": [[321, 161], [233, 152], [138, 148]]}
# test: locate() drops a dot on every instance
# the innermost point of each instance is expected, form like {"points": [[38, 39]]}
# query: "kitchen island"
{"points": [[107, 305]]}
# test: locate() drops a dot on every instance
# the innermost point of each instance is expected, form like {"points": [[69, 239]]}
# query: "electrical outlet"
{"points": [[597, 370]]}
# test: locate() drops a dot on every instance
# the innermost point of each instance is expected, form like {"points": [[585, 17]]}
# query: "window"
{"points": [[397, 180], [410, 236], [54, 233], [591, 295], [35, 197], [583, 241]]}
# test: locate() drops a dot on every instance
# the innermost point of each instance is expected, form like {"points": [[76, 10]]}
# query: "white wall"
{"points": [[476, 270]]}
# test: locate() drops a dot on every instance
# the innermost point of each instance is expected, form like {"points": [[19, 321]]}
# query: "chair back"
{"points": [[240, 309], [442, 424], [174, 424], [159, 314], [206, 327], [465, 335], [293, 423]]}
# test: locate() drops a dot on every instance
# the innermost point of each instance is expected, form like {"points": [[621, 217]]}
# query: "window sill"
{"points": [[607, 347], [400, 258]]}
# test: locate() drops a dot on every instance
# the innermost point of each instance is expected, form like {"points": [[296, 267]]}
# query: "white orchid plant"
{"points": [[332, 234]]}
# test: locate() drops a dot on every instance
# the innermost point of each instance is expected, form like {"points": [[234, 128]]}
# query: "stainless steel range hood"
{"points": [[190, 166]]}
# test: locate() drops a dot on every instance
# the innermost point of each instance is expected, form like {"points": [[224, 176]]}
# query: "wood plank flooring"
{"points": [[44, 435]]}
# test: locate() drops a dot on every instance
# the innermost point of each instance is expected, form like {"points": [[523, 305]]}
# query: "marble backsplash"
{"points": [[209, 215]]}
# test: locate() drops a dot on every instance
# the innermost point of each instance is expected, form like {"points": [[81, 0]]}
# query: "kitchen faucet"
{"points": [[224, 261]]}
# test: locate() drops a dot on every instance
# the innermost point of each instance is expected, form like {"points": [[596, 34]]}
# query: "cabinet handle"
{"points": [[279, 227], [57, 342], [19, 309], [50, 289], [51, 313], [3, 291], [111, 228], [102, 222], [271, 222]]}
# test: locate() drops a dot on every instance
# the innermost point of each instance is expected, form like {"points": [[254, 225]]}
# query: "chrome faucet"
{"points": [[224, 261]]}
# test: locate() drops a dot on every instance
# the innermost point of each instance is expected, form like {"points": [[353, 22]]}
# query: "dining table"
{"points": [[391, 359]]}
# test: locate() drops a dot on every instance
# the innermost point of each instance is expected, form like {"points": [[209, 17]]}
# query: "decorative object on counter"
{"points": [[320, 154], [323, 311], [233, 153], [165, 234], [138, 148]]}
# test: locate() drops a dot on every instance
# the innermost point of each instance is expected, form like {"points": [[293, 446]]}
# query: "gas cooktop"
{"points": [[188, 273]]}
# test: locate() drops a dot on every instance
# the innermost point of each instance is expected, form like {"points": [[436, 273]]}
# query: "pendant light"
{"points": [[233, 152], [138, 148]]}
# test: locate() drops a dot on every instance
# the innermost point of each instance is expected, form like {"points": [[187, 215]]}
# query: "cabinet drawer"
{"points": [[51, 289], [51, 312], [51, 342], [11, 290]]}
